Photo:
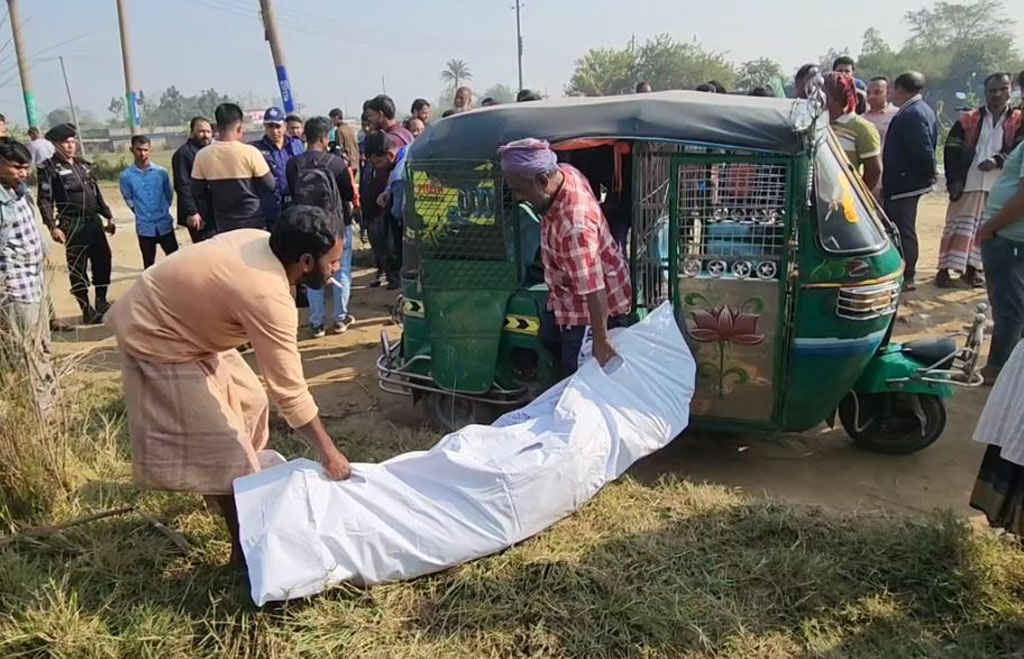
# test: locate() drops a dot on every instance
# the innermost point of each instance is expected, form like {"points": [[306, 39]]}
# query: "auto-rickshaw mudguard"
{"points": [[892, 371], [465, 321]]}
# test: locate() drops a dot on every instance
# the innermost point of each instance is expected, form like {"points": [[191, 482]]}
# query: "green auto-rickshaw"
{"points": [[743, 212]]}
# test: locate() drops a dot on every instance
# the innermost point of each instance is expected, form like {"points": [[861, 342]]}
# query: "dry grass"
{"points": [[671, 570]]}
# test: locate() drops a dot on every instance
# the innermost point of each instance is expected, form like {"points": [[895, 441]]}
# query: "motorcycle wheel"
{"points": [[450, 413], [892, 423]]}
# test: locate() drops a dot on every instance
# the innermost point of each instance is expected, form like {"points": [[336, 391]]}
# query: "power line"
{"points": [[314, 24]]}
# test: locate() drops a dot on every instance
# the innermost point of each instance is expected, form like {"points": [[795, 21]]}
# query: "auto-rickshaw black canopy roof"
{"points": [[745, 122]]}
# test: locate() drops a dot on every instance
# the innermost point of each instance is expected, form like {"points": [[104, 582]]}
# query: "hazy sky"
{"points": [[337, 51]]}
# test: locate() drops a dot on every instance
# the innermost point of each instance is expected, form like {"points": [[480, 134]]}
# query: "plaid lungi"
{"points": [[958, 248], [194, 427]]}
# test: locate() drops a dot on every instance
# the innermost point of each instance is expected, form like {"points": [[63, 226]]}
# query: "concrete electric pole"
{"points": [[74, 112], [26, 76], [519, 43], [270, 33], [131, 97]]}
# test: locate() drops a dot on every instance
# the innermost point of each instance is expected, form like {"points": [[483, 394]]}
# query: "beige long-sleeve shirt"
{"points": [[213, 297]]}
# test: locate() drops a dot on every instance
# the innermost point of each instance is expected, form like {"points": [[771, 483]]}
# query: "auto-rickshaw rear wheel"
{"points": [[449, 413], [892, 422]]}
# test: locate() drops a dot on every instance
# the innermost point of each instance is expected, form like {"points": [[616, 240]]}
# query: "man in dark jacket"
{"points": [[908, 169], [277, 148], [72, 206], [976, 148], [200, 133]]}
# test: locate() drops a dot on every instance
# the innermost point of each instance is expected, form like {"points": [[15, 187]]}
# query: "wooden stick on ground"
{"points": [[174, 536], [45, 531]]}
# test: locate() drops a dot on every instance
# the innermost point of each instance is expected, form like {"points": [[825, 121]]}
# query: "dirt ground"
{"points": [[815, 467]]}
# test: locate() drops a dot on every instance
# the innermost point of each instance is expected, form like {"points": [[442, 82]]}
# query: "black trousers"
{"points": [[394, 247], [903, 213], [376, 231], [567, 342], [147, 244], [87, 248], [199, 236]]}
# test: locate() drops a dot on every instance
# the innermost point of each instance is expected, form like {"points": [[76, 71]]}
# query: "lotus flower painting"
{"points": [[725, 326]]}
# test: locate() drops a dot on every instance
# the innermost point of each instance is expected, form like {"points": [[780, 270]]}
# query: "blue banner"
{"points": [[286, 89], [134, 118]]}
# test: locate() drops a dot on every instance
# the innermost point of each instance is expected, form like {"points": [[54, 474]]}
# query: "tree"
{"points": [[58, 116], [117, 109], [763, 72], [455, 72], [667, 64], [500, 93], [950, 24], [663, 62], [603, 72]]}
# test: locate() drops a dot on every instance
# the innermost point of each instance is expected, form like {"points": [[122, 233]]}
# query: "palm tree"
{"points": [[455, 71]]}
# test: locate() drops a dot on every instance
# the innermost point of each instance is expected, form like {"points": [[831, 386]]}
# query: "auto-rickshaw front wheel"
{"points": [[449, 413], [894, 423]]}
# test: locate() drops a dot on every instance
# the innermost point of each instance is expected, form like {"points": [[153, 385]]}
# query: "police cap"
{"points": [[61, 132]]}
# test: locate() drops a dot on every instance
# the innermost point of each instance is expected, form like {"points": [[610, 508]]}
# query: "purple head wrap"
{"points": [[529, 157]]}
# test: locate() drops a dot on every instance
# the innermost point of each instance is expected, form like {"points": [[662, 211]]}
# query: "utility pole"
{"points": [[270, 34], [71, 104], [519, 43], [23, 70], [130, 96]]}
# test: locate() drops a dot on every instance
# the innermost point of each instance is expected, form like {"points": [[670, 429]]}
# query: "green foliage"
{"points": [[173, 108], [604, 72], [762, 72], [954, 45], [500, 93], [109, 167], [58, 116], [665, 63]]}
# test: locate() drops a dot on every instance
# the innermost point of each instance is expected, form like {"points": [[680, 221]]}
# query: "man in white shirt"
{"points": [[880, 111], [41, 148], [975, 151]]}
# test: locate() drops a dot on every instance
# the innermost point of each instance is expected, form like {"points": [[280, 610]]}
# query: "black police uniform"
{"points": [[70, 200]]}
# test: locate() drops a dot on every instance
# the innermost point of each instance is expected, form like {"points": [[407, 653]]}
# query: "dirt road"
{"points": [[816, 467]]}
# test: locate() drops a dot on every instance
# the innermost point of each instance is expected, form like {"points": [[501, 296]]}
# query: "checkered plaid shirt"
{"points": [[579, 254], [21, 249]]}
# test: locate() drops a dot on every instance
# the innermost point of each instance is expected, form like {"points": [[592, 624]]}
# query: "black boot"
{"points": [[87, 311], [102, 306]]}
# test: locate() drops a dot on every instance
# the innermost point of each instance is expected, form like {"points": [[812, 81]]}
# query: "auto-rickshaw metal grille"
{"points": [[731, 210], [456, 214], [731, 219]]}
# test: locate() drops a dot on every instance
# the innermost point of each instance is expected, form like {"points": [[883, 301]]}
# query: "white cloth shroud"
{"points": [[478, 490]]}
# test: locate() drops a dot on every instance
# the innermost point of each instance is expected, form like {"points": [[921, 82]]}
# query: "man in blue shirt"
{"points": [[277, 148], [146, 188]]}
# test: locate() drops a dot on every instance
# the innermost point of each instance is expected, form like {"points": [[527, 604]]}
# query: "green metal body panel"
{"points": [[465, 321], [891, 363]]}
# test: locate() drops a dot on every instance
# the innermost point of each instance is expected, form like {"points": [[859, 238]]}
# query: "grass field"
{"points": [[669, 570]]}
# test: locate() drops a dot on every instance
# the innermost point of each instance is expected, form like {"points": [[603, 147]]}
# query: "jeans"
{"points": [[317, 301], [1004, 278], [25, 344], [903, 213]]}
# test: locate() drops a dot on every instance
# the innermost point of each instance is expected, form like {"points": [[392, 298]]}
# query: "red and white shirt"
{"points": [[579, 254]]}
